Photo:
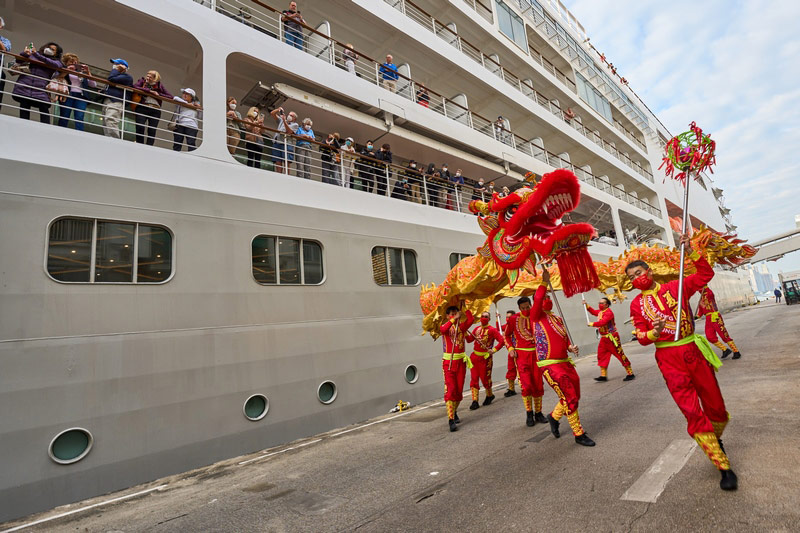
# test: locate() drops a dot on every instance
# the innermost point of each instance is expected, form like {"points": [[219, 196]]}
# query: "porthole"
{"points": [[256, 407], [412, 374], [326, 392], [70, 446]]}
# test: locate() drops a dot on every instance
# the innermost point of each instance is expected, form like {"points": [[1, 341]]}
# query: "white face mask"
{"points": [[232, 106], [48, 52], [458, 173]]}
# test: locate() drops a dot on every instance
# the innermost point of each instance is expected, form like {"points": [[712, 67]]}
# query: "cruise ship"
{"points": [[165, 308]]}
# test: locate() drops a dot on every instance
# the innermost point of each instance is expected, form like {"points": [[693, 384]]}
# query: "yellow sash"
{"points": [[701, 342], [457, 357], [548, 362], [482, 354], [612, 338]]}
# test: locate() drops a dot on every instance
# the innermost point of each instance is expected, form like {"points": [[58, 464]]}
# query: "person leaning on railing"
{"points": [[233, 125], [330, 157], [253, 123], [29, 90], [303, 149], [349, 57], [282, 146], [348, 151], [186, 120], [115, 99], [77, 101], [413, 176], [292, 26], [382, 172], [148, 110]]}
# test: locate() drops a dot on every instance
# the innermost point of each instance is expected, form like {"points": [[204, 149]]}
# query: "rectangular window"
{"points": [[286, 261], [455, 257], [394, 266], [511, 25], [592, 96], [97, 251]]}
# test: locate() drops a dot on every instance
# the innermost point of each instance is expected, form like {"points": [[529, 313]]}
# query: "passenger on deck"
{"points": [[76, 102], [253, 123], [148, 111], [292, 26], [186, 120], [305, 136], [331, 158], [480, 192], [383, 171], [349, 57], [116, 97], [413, 176], [423, 97], [233, 128], [29, 91], [282, 145], [366, 167], [389, 75], [348, 151]]}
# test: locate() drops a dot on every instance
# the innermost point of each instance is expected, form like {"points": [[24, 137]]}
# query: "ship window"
{"points": [[256, 407], [326, 392], [70, 446], [95, 251], [592, 96], [286, 261], [511, 25], [394, 266], [455, 257], [411, 374]]}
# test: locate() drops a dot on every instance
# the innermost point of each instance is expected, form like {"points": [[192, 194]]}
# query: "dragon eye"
{"points": [[510, 212]]}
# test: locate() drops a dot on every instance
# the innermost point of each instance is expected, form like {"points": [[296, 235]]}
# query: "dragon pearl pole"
{"points": [[586, 311], [560, 313], [683, 254]]}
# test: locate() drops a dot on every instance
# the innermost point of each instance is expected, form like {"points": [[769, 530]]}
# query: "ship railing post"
{"points": [[433, 24], [377, 75], [285, 154], [122, 118], [386, 173], [444, 106], [341, 170], [425, 189], [457, 192]]}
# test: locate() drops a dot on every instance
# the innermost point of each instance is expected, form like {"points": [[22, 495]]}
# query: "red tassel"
{"points": [[577, 271]]}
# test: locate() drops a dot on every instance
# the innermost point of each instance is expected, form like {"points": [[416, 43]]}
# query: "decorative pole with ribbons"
{"points": [[690, 152]]}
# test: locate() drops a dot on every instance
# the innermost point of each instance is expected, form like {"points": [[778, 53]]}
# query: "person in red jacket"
{"points": [[610, 343], [552, 345], [511, 372], [455, 331], [484, 337], [714, 324], [687, 364], [523, 349]]}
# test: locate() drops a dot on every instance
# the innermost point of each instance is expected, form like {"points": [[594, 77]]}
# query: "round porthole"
{"points": [[256, 407], [70, 446], [326, 392], [412, 374]]}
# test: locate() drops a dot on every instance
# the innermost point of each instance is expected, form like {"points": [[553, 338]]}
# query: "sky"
{"points": [[734, 68]]}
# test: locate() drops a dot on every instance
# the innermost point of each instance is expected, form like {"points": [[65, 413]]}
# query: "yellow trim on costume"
{"points": [[695, 255], [482, 354], [653, 291], [548, 362], [652, 335], [714, 316], [612, 338], [457, 357], [525, 349]]}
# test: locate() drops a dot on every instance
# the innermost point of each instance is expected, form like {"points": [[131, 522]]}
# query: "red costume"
{"points": [[484, 338], [551, 348], [714, 323], [610, 343], [454, 360], [511, 372], [519, 329], [686, 364]]}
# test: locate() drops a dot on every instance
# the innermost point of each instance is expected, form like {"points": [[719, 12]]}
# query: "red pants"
{"points": [[566, 384], [454, 379], [691, 381], [716, 328], [530, 375], [481, 370], [511, 373], [606, 348]]}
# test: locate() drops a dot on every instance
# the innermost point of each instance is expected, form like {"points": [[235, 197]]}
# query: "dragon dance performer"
{"points": [[483, 350], [687, 364], [519, 328], [511, 372], [552, 345], [610, 343], [714, 324], [455, 331]]}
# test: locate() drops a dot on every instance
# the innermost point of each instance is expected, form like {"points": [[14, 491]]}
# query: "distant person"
{"points": [[233, 125], [511, 371], [305, 138], [714, 324], [366, 166], [389, 74], [482, 356], [5, 46], [455, 333], [778, 295], [423, 96], [293, 26], [383, 170], [413, 177], [282, 145], [480, 192], [348, 150], [29, 90], [116, 97], [610, 343], [187, 120], [253, 123], [148, 110], [349, 56], [331, 158], [569, 114], [76, 102]]}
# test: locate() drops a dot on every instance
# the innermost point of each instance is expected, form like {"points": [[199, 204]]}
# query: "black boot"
{"points": [[736, 355], [452, 424], [488, 400], [728, 481], [726, 352], [510, 392], [529, 420], [601, 378], [554, 426], [455, 417], [629, 377], [474, 405], [584, 440], [539, 417]]}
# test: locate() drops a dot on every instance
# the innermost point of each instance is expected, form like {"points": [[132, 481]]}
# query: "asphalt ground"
{"points": [[409, 473]]}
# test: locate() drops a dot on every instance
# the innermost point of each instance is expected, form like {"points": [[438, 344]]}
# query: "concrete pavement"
{"points": [[408, 473]]}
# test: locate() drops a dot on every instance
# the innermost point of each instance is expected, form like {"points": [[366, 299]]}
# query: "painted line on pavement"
{"points": [[279, 451], [62, 515], [652, 483]]}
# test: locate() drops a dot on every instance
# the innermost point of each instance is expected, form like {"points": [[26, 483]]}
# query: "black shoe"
{"points": [[474, 405], [488, 400], [728, 481], [452, 424], [529, 420], [455, 417], [736, 355], [629, 377], [554, 426], [510, 392], [539, 417], [584, 440], [726, 352], [601, 378]]}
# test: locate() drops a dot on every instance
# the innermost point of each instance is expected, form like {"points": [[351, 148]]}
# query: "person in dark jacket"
{"points": [[29, 90], [77, 101], [402, 187], [148, 111], [413, 175], [383, 171], [114, 101], [433, 186], [366, 167]]}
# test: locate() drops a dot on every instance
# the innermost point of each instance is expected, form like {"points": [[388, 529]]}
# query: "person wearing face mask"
{"points": [[610, 343], [456, 183], [233, 125], [29, 90], [114, 101], [552, 347], [511, 369], [305, 135], [348, 150], [76, 102], [522, 347], [282, 149], [413, 177], [483, 350], [455, 334], [715, 327], [367, 166], [688, 364], [330, 159], [479, 192], [382, 170]]}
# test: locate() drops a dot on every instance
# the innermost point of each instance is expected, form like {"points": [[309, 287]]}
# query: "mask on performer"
{"points": [[525, 312], [642, 282], [484, 320], [602, 305], [547, 305]]}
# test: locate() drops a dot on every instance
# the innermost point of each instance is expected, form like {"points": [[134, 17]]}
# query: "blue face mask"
{"points": [[348, 143], [369, 147]]}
